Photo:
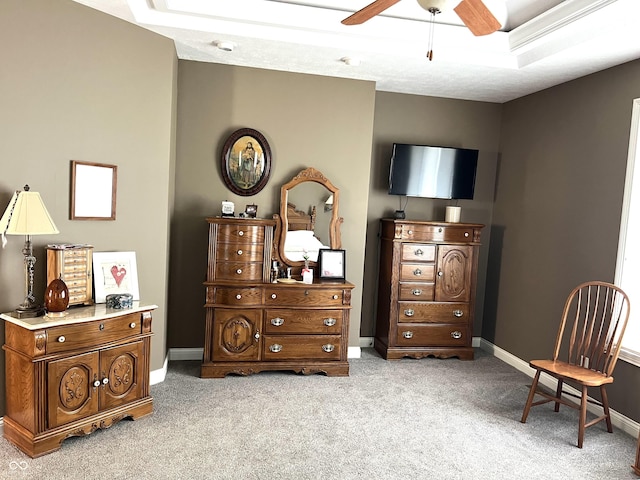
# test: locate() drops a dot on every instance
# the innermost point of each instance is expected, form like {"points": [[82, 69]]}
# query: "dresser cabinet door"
{"points": [[71, 393], [454, 273], [121, 374], [236, 334]]}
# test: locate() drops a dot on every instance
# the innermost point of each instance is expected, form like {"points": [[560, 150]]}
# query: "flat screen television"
{"points": [[432, 172]]}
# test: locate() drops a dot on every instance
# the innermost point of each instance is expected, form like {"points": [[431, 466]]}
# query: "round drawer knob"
{"points": [[96, 383], [273, 295], [105, 380], [456, 334], [257, 336], [241, 233], [458, 313], [410, 232], [440, 274], [466, 234], [275, 348], [335, 297], [132, 325], [239, 252], [238, 297], [61, 339], [239, 271], [407, 334], [328, 348]]}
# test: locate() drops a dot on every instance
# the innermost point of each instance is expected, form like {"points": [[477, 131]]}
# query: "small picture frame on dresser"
{"points": [[331, 263]]}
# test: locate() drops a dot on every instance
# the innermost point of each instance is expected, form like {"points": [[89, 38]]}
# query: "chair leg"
{"points": [[558, 395], [605, 407], [532, 393], [583, 416]]}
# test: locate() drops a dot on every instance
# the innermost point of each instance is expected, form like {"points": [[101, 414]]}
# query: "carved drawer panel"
{"points": [[417, 272], [416, 252], [444, 312], [433, 335], [234, 295], [233, 252], [420, 292], [305, 297], [239, 271], [280, 321], [241, 234], [82, 335], [436, 233], [301, 347]]}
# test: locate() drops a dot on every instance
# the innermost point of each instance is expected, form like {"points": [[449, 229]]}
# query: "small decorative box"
{"points": [[119, 300]]}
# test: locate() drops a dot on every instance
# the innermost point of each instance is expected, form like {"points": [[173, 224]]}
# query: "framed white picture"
{"points": [[115, 272], [331, 263], [93, 191]]}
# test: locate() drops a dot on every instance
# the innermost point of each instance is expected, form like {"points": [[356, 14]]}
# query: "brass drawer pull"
{"points": [[328, 348], [458, 313], [275, 348], [61, 339], [238, 297], [418, 253], [277, 321], [330, 322], [407, 334], [457, 334], [416, 292], [239, 252], [409, 312], [417, 272], [241, 233], [132, 325], [239, 271]]}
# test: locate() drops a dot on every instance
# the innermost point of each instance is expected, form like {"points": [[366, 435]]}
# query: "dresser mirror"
{"points": [[309, 219]]}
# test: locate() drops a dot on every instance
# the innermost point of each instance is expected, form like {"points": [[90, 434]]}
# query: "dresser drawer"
{"points": [[417, 272], [281, 321], [417, 252], [234, 252], [443, 312], [432, 335], [437, 233], [234, 295], [241, 234], [238, 271], [305, 297], [92, 334], [418, 292], [301, 347]]}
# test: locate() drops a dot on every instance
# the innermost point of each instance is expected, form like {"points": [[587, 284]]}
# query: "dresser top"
{"points": [[77, 315]]}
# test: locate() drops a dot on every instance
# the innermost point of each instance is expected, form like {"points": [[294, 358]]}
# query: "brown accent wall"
{"points": [[557, 212], [76, 84]]}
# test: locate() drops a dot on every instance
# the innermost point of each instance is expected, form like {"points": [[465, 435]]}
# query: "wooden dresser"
{"points": [[427, 289], [70, 376], [254, 325]]}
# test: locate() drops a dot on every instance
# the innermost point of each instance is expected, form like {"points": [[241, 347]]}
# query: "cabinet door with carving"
{"points": [[121, 374], [237, 335], [72, 388], [453, 280]]}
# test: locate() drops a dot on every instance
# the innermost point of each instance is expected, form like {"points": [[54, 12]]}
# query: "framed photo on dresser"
{"points": [[331, 263]]}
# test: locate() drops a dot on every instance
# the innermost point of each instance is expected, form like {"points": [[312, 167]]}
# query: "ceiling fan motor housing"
{"points": [[429, 5]]}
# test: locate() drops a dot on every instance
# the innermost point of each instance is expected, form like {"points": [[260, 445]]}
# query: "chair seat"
{"points": [[566, 371]]}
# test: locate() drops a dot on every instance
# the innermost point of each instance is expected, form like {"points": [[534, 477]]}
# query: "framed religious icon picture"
{"points": [[246, 162]]}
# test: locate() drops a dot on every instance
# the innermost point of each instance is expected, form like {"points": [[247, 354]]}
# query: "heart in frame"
{"points": [[118, 274]]}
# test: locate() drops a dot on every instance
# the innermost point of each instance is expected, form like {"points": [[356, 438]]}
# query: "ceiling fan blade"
{"points": [[477, 17], [369, 12]]}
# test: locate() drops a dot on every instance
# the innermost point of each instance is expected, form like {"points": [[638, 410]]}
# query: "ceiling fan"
{"points": [[473, 13]]}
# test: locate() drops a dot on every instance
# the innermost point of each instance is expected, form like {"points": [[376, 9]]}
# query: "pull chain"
{"points": [[433, 11]]}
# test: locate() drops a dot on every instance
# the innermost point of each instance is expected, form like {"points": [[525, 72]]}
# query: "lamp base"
{"points": [[29, 312]]}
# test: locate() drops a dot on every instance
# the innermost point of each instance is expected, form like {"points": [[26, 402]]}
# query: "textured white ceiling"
{"points": [[542, 42]]}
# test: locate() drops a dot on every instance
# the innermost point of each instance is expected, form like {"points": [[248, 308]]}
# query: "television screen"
{"points": [[432, 172]]}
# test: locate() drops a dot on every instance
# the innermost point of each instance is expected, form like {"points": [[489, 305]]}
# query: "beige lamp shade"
{"points": [[27, 215]]}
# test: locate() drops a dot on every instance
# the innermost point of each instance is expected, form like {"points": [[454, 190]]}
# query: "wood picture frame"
{"points": [[246, 162], [331, 263], [93, 191], [115, 272]]}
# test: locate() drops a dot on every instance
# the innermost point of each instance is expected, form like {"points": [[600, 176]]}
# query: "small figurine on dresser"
{"points": [[56, 298]]}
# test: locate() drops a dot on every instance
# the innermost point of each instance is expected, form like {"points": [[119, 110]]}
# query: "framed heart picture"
{"points": [[115, 272]]}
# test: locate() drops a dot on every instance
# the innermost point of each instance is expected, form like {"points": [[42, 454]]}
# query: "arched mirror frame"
{"points": [[309, 174]]}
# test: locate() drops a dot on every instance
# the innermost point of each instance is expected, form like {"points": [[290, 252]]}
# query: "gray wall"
{"points": [[74, 87], [557, 212]]}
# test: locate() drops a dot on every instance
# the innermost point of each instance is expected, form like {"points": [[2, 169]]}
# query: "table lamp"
{"points": [[27, 215]]}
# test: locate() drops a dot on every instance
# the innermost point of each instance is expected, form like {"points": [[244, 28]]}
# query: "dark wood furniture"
{"points": [[427, 287], [252, 324], [70, 376], [593, 321]]}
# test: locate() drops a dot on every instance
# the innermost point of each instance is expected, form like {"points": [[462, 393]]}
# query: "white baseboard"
{"points": [[617, 419], [158, 376]]}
